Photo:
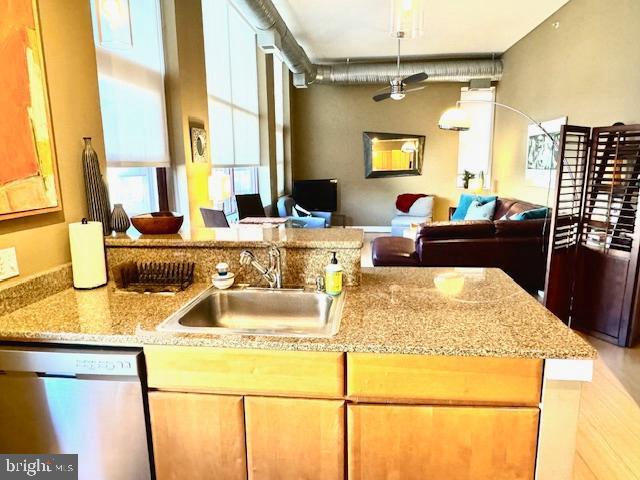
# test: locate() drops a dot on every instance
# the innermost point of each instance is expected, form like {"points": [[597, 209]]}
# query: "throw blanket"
{"points": [[406, 200]]}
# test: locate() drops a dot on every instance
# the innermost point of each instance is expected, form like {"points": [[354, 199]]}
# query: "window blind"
{"points": [[475, 145], [130, 63], [232, 85]]}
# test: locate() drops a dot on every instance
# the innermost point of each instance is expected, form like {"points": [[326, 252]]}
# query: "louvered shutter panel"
{"points": [[565, 220], [606, 279]]}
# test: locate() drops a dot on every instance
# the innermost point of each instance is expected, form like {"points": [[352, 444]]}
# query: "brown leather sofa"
{"points": [[514, 246]]}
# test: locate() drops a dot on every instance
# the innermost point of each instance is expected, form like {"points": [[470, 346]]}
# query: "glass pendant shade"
{"points": [[407, 18]]}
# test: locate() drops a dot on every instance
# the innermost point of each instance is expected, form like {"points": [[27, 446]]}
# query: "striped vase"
{"points": [[119, 219], [95, 188]]}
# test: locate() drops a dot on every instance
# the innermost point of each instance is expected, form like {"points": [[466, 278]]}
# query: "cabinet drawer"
{"points": [[456, 443], [447, 380], [245, 371]]}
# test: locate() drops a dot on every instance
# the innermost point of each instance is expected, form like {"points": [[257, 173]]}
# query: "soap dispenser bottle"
{"points": [[333, 276]]}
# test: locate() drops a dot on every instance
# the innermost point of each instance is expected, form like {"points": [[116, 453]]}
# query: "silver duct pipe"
{"points": [[275, 35], [438, 71]]}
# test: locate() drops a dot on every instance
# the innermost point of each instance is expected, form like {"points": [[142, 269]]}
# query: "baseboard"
{"points": [[372, 228]]}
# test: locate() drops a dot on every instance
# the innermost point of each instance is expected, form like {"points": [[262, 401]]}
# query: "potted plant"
{"points": [[466, 176]]}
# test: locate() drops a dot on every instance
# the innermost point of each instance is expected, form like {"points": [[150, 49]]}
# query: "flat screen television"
{"points": [[316, 195]]}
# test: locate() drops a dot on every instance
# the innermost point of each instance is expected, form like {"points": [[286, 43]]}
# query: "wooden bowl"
{"points": [[157, 223]]}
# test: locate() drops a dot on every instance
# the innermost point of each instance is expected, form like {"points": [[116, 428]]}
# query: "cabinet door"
{"points": [[197, 436], [294, 438], [456, 443]]}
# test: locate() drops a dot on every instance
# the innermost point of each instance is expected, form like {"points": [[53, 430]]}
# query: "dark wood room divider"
{"points": [[592, 271]]}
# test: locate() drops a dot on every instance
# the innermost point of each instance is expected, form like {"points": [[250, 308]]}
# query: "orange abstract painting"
{"points": [[28, 173]]}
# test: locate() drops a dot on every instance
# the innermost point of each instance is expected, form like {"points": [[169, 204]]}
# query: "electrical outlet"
{"points": [[8, 263]]}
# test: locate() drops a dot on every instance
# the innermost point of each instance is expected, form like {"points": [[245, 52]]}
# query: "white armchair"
{"points": [[421, 211]]}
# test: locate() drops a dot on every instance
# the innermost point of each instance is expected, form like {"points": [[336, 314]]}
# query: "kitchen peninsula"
{"points": [[426, 361]]}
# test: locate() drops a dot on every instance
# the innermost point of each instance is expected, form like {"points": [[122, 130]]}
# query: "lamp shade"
{"points": [[408, 147], [219, 187], [455, 119]]}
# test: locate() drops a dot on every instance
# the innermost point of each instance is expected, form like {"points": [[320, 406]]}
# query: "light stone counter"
{"points": [[482, 312], [246, 236]]}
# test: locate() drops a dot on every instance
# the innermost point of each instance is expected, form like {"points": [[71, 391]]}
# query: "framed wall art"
{"points": [[28, 168]]}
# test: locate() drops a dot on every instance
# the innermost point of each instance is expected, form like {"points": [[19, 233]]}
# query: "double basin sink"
{"points": [[257, 311]]}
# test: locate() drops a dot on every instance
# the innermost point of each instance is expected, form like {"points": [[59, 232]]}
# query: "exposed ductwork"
{"points": [[438, 71], [275, 35]]}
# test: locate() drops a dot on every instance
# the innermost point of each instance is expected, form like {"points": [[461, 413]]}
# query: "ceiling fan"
{"points": [[397, 86]]}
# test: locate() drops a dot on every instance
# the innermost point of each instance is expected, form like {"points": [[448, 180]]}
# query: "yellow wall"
{"points": [[42, 241], [327, 125], [186, 103], [587, 69]]}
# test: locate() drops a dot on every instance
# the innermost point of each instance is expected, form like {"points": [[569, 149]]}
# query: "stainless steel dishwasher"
{"points": [[84, 401]]}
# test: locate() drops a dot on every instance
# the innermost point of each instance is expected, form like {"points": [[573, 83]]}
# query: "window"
{"points": [[135, 188], [232, 85], [244, 180], [475, 145], [278, 97], [130, 64]]}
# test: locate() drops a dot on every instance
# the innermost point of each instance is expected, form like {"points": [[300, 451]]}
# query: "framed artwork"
{"points": [[28, 168], [392, 154], [542, 153], [198, 145]]}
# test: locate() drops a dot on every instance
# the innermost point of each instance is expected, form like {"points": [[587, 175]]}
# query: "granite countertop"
{"points": [[475, 312], [246, 236]]}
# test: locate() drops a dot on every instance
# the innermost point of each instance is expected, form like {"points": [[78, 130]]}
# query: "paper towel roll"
{"points": [[87, 254]]}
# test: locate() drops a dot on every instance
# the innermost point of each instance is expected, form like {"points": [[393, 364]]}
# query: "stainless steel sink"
{"points": [[280, 312]]}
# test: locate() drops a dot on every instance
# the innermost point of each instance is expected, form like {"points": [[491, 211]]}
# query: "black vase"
{"points": [[95, 188], [119, 219]]}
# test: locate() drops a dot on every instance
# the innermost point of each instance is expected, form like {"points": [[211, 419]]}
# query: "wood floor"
{"points": [[623, 362], [608, 441]]}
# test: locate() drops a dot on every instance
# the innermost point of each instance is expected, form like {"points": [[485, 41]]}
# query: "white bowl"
{"points": [[222, 282]]}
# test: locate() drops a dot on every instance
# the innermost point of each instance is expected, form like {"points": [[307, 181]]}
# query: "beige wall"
{"points": [[587, 69], [327, 124], [186, 88], [42, 241]]}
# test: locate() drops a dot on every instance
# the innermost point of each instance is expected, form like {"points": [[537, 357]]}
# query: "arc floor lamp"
{"points": [[458, 120]]}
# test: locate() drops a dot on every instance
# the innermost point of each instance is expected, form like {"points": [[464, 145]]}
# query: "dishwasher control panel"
{"points": [[70, 362]]}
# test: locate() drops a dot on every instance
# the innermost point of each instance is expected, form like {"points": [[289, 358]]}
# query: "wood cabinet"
{"points": [[262, 415], [245, 371], [448, 380], [294, 438], [197, 436], [456, 443]]}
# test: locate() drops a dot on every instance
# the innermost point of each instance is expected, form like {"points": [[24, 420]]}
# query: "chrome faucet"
{"points": [[272, 274]]}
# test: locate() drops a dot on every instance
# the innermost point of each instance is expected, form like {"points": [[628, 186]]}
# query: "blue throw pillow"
{"points": [[530, 214], [480, 211], [465, 201]]}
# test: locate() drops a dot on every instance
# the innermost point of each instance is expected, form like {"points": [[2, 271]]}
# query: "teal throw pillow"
{"points": [[480, 211], [465, 201], [530, 214]]}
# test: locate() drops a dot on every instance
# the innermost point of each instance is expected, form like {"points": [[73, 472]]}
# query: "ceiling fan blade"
{"points": [[384, 89], [415, 78], [407, 90], [382, 96]]}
